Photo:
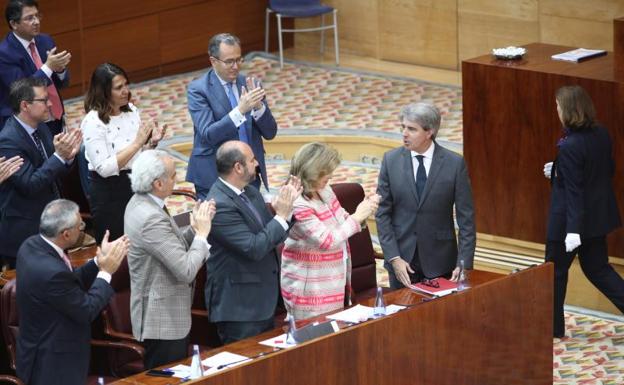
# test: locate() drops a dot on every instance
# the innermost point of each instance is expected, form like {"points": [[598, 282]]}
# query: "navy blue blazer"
{"points": [[582, 198], [16, 63], [56, 308], [24, 195], [209, 107], [243, 270]]}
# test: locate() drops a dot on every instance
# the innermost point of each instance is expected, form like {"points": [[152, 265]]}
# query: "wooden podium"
{"points": [[511, 129], [497, 332]]}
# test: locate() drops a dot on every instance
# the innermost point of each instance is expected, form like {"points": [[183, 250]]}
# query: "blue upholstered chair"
{"points": [[300, 9]]}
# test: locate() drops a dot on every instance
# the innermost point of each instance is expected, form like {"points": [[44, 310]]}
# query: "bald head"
{"points": [[236, 163]]}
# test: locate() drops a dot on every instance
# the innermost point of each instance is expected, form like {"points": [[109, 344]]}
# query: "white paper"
{"points": [[354, 315], [391, 309], [224, 358], [181, 371], [277, 342]]}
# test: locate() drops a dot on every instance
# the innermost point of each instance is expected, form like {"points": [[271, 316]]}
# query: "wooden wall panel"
{"points": [[419, 32], [487, 24], [59, 16], [579, 23], [358, 28], [98, 12], [185, 34], [70, 41], [131, 44]]}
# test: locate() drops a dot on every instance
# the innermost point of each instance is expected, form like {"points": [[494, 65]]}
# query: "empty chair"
{"points": [[300, 9]]}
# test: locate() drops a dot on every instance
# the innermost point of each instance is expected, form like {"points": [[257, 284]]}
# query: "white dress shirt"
{"points": [[427, 158], [103, 141], [237, 117]]}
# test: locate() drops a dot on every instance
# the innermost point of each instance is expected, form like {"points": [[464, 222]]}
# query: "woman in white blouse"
{"points": [[114, 135]]}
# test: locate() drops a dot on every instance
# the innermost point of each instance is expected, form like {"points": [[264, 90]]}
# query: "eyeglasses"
{"points": [[31, 18], [42, 100], [431, 282], [231, 62]]}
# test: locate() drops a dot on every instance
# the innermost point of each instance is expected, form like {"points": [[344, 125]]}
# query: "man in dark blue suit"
{"points": [[242, 284], [226, 106], [27, 52], [24, 195], [583, 208], [57, 304]]}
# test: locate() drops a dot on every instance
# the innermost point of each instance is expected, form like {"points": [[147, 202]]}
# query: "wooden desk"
{"points": [[498, 332], [511, 129]]}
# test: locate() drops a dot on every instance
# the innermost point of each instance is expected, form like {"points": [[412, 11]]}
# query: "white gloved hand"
{"points": [[572, 241], [548, 169]]}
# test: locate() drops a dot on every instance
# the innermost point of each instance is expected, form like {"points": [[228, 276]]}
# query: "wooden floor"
{"points": [[430, 74]]}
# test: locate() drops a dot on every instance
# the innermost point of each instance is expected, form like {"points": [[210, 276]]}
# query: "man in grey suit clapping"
{"points": [[163, 261], [419, 184]]}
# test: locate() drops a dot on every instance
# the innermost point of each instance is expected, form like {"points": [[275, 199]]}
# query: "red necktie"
{"points": [[57, 107], [67, 262]]}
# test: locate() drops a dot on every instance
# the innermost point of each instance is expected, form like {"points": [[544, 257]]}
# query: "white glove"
{"points": [[572, 241], [548, 169]]}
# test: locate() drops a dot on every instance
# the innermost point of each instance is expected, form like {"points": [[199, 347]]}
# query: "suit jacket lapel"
{"points": [[29, 143], [22, 51], [434, 171], [249, 216], [215, 88], [408, 172], [176, 229]]}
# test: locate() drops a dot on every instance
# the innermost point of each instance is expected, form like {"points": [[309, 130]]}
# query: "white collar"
{"points": [[427, 154], [233, 188], [159, 202], [24, 42], [60, 251]]}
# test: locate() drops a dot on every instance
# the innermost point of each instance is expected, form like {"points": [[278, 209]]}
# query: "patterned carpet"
{"points": [[310, 99]]}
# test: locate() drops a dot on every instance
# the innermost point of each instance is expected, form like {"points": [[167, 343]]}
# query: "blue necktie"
{"points": [[251, 207], [421, 176], [39, 144], [242, 131]]}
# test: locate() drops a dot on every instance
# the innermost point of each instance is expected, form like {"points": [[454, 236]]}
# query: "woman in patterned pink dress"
{"points": [[316, 261]]}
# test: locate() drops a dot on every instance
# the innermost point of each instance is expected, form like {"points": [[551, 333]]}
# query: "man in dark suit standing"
{"points": [[419, 184], [243, 269], [583, 208], [26, 52], [225, 105], [24, 195], [57, 303]]}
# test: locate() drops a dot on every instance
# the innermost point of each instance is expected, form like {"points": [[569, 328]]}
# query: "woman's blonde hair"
{"points": [[312, 162]]}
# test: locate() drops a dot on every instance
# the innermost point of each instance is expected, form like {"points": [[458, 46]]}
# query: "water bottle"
{"points": [[292, 327], [462, 282], [196, 367], [379, 310]]}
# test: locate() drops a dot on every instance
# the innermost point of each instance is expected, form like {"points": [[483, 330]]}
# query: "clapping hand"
{"points": [[57, 62], [201, 217], [251, 96], [9, 167], [548, 169], [67, 144], [110, 254], [285, 198], [158, 133]]}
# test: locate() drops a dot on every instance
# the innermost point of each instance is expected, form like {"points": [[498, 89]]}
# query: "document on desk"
{"points": [[224, 358], [181, 371], [359, 313], [278, 342]]}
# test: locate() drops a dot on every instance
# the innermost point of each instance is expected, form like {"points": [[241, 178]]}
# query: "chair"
{"points": [[9, 322], [118, 327], [299, 9], [363, 266]]}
